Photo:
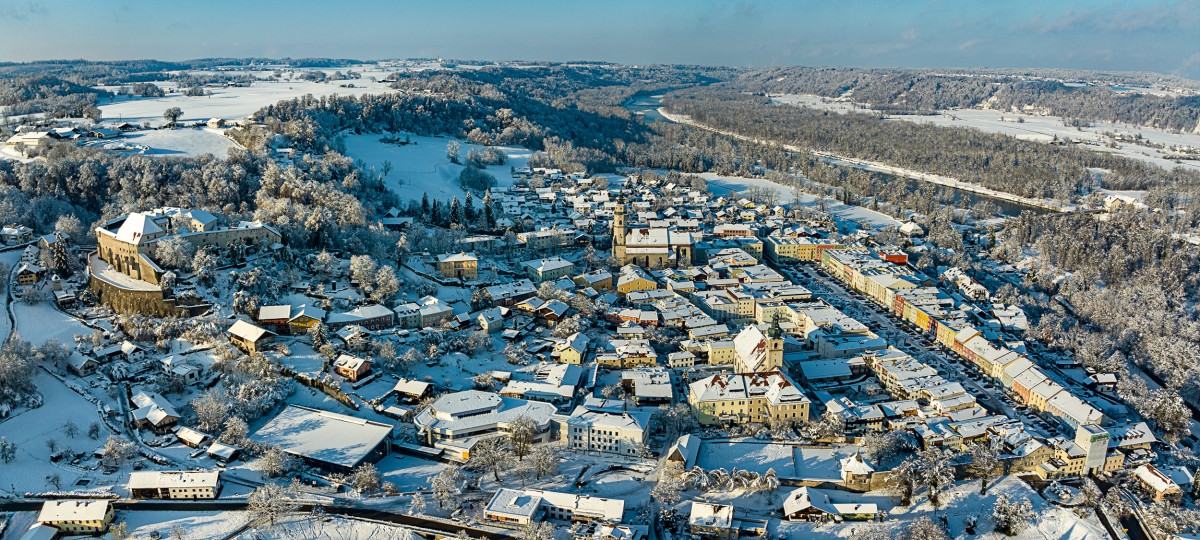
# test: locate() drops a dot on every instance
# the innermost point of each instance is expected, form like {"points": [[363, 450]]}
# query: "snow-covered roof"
{"points": [[856, 465], [472, 409], [773, 386], [173, 479], [1148, 474], [136, 226], [805, 498], [713, 515], [461, 256], [685, 449], [411, 387], [515, 502], [74, 510], [322, 435], [248, 332], [280, 312]]}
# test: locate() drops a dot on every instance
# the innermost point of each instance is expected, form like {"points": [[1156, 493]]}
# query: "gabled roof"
{"points": [[249, 332], [136, 226]]}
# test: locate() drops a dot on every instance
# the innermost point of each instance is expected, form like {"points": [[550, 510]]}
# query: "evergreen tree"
{"points": [[425, 208], [435, 213], [456, 215], [469, 209]]}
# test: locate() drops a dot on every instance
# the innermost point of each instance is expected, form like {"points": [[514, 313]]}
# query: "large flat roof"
{"points": [[322, 435]]}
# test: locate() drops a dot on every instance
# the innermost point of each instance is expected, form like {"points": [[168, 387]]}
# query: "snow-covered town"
{"points": [[645, 353], [322, 298]]}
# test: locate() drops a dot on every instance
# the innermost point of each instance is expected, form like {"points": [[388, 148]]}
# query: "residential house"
{"points": [[250, 338], [811, 504], [460, 265], [573, 350], [353, 368], [549, 269], [77, 516]]}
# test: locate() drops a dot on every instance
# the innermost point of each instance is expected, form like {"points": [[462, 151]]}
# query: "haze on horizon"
{"points": [[1159, 36]]}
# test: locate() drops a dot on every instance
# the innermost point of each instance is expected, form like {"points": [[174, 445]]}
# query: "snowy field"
{"points": [[188, 142], [1031, 127], [409, 473], [422, 166], [41, 322], [228, 103], [330, 527], [30, 429], [194, 524], [721, 185]]}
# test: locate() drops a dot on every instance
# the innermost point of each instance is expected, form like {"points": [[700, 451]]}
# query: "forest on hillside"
{"points": [[995, 161], [923, 91]]}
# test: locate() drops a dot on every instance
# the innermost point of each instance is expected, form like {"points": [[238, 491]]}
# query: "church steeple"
{"points": [[619, 230]]}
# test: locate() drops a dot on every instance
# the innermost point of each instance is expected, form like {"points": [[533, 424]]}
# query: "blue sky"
{"points": [[1110, 35]]}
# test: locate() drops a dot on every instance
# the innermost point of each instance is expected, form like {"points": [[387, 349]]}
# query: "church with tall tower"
{"points": [[649, 247]]}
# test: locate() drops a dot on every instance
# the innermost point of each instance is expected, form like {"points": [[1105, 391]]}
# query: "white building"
{"points": [[175, 484], [521, 507], [472, 414], [599, 429]]}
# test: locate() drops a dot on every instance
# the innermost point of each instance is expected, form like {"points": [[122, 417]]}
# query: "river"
{"points": [[647, 104]]}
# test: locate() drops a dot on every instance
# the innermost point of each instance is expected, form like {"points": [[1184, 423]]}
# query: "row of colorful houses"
{"points": [[910, 296]]}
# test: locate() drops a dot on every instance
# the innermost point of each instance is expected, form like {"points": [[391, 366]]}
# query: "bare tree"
{"points": [[491, 454], [539, 530], [520, 436], [269, 503], [274, 462], [416, 505], [366, 478], [445, 487], [545, 462], [1012, 515]]}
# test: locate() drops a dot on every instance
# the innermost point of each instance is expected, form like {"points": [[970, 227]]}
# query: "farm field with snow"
{"points": [[229, 103]]}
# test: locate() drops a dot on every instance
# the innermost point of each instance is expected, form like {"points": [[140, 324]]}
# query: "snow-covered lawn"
{"points": [[746, 455], [409, 473], [422, 166], [330, 527]]}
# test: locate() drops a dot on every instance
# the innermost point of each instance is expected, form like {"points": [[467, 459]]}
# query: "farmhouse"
{"points": [[175, 484], [78, 516]]}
